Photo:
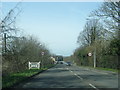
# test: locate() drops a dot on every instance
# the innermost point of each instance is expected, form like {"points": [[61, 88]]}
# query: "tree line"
{"points": [[100, 37], [17, 49]]}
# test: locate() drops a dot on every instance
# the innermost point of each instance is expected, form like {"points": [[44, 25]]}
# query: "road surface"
{"points": [[62, 76]]}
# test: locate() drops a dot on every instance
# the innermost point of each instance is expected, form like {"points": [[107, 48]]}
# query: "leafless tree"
{"points": [[92, 31], [110, 14], [8, 26]]}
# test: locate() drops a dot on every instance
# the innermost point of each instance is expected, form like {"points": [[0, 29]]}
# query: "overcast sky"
{"points": [[57, 24]]}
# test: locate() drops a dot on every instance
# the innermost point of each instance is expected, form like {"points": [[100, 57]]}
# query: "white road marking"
{"points": [[78, 76], [75, 74], [93, 86], [71, 71]]}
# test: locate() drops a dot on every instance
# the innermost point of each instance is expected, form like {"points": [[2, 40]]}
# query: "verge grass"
{"points": [[101, 68], [13, 78]]}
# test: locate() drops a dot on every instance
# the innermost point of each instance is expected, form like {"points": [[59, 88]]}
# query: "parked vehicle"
{"points": [[60, 62], [68, 64]]}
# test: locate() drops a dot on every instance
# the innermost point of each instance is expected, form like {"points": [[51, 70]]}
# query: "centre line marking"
{"points": [[75, 74], [93, 86], [78, 76]]}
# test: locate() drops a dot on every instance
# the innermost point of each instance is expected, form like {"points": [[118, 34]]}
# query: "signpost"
{"points": [[34, 65], [89, 54], [94, 56], [42, 53]]}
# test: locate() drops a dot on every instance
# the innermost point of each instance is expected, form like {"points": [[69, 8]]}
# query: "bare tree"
{"points": [[93, 30], [99, 36], [8, 26], [110, 13]]}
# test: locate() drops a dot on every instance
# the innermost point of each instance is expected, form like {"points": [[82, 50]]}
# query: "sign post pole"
{"points": [[95, 58]]}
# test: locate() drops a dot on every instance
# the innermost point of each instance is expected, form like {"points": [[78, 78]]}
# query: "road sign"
{"points": [[42, 53], [89, 54], [34, 65]]}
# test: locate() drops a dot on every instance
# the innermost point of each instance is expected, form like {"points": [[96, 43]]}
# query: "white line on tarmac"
{"points": [[75, 74], [93, 86], [78, 76]]}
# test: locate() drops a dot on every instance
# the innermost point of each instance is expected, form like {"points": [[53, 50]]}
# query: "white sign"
{"points": [[34, 65], [89, 54], [42, 53]]}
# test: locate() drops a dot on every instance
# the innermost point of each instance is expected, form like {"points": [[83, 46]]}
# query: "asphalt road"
{"points": [[62, 76]]}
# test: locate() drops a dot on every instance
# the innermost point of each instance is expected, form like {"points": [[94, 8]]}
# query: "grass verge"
{"points": [[107, 69], [13, 78], [101, 68]]}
